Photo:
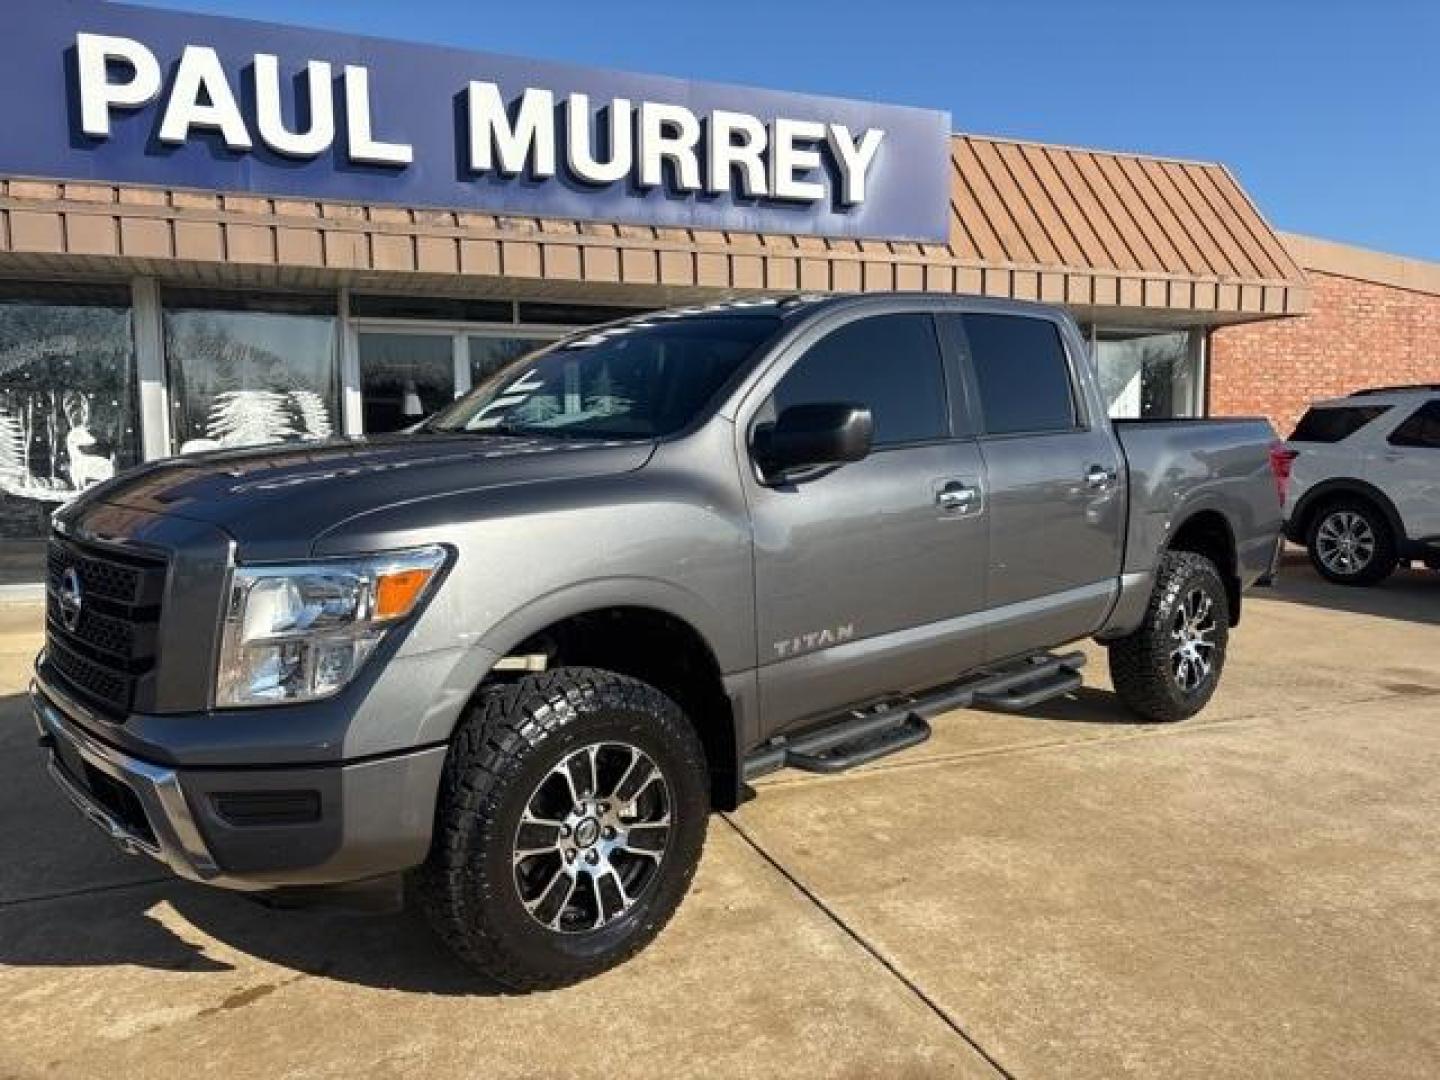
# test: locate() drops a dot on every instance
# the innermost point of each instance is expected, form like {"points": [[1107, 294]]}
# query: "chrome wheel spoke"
{"points": [[590, 843], [554, 898], [635, 782], [1345, 542], [1192, 634], [635, 759]]}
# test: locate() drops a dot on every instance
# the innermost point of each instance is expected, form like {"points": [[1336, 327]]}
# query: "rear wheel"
{"points": [[1351, 543], [1168, 669], [570, 821]]}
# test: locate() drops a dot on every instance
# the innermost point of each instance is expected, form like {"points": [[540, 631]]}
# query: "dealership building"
{"points": [[220, 233]]}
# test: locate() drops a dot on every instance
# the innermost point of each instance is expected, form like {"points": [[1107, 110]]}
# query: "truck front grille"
{"points": [[103, 649]]}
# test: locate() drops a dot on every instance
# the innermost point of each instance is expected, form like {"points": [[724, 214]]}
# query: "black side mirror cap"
{"points": [[814, 435]]}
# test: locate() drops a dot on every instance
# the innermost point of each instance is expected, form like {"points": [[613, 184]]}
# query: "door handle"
{"points": [[955, 496], [1097, 476]]}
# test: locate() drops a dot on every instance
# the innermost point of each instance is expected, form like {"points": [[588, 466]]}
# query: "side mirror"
{"points": [[810, 436]]}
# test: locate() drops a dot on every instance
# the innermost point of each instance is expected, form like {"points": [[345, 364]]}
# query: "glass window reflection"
{"points": [[250, 377]]}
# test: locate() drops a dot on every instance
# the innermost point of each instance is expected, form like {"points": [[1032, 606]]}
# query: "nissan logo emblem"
{"points": [[72, 599]]}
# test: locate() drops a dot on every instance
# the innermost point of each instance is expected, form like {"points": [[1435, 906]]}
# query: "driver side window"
{"points": [[891, 364]]}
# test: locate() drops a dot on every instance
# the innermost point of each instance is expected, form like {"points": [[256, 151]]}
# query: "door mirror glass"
{"points": [[814, 435]]}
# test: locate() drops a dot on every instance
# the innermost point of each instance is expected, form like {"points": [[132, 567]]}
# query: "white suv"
{"points": [[1364, 482]]}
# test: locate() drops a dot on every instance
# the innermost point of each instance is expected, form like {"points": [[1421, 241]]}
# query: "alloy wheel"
{"points": [[1345, 543], [1192, 633], [592, 837]]}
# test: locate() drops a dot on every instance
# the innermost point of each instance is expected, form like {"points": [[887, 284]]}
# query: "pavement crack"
{"points": [[89, 890], [874, 953]]}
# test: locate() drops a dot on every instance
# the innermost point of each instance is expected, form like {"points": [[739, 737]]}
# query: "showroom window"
{"points": [[489, 353], [404, 378], [67, 406], [417, 354], [248, 369], [1150, 374]]}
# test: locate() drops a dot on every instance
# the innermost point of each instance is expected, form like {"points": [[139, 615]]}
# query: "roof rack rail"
{"points": [[1395, 389]]}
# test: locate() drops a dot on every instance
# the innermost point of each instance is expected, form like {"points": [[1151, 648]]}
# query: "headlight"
{"points": [[301, 632]]}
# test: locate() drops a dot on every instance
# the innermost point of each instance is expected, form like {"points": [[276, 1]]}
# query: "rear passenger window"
{"points": [[1421, 429], [1021, 373], [889, 363], [1333, 424]]}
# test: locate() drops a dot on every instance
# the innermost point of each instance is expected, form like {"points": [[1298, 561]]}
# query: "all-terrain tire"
{"points": [[513, 739], [1381, 556], [1143, 665]]}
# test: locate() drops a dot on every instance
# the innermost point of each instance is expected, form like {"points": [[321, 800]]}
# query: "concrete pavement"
{"points": [[1067, 893]]}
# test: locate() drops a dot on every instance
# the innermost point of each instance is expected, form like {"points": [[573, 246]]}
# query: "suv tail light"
{"points": [[1281, 460]]}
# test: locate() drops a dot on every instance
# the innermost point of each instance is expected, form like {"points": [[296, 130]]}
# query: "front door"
{"points": [[865, 574], [1409, 472], [1056, 484]]}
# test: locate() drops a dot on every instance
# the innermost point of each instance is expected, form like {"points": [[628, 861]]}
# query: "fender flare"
{"points": [[664, 597], [1298, 526]]}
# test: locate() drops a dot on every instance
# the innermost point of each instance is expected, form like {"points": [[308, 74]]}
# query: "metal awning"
{"points": [[1114, 236]]}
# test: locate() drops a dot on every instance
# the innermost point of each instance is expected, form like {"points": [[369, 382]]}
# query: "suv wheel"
{"points": [[1168, 669], [1351, 543], [570, 820]]}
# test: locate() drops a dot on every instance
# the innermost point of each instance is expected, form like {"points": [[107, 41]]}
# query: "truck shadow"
{"points": [[70, 900], [1087, 705], [180, 927]]}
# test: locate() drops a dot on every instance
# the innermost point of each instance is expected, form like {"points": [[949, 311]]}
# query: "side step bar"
{"points": [[862, 737]]}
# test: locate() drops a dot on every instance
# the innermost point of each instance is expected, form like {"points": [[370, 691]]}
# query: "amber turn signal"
{"points": [[396, 591]]}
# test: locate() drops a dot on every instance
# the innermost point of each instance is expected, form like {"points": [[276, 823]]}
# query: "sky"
{"points": [[1327, 112]]}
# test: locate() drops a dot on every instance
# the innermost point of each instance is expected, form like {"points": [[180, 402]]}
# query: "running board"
{"points": [[863, 737]]}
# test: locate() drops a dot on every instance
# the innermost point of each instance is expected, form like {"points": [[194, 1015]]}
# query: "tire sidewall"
{"points": [[489, 875], [1191, 574], [1381, 561]]}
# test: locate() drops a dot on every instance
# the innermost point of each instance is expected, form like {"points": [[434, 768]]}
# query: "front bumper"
{"points": [[249, 828]]}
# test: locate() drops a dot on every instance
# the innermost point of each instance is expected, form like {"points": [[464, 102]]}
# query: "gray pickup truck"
{"points": [[523, 650]]}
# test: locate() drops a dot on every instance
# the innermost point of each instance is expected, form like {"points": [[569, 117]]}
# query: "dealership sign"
{"points": [[125, 94]]}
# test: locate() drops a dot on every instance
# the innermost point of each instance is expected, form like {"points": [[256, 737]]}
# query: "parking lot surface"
{"points": [[1255, 892]]}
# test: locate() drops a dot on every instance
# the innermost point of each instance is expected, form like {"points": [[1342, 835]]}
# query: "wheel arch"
{"points": [[1328, 491], [1208, 532], [647, 639]]}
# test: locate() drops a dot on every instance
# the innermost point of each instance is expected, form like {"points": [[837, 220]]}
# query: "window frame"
{"points": [[181, 299], [1425, 406], [459, 334], [809, 337], [1379, 410], [99, 294], [1083, 421], [1199, 354]]}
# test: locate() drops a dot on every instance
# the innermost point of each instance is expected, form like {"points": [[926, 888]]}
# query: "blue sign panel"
{"points": [[109, 92]]}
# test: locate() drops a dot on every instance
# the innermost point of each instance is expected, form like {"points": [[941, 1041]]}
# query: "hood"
{"points": [[302, 490]]}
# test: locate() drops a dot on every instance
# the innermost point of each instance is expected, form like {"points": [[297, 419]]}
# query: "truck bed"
{"points": [[1181, 467]]}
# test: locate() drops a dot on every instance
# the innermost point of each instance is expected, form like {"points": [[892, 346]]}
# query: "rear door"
{"points": [[1409, 471], [869, 578], [1056, 483], [1334, 442]]}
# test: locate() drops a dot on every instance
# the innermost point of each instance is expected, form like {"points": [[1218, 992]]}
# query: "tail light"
{"points": [[1282, 458]]}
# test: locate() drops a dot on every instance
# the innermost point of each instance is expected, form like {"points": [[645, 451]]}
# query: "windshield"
{"points": [[640, 379]]}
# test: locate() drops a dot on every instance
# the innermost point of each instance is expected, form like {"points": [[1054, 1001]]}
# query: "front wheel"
{"points": [[571, 815], [1168, 669]]}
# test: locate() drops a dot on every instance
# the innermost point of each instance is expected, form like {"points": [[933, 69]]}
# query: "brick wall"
{"points": [[1358, 334]]}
